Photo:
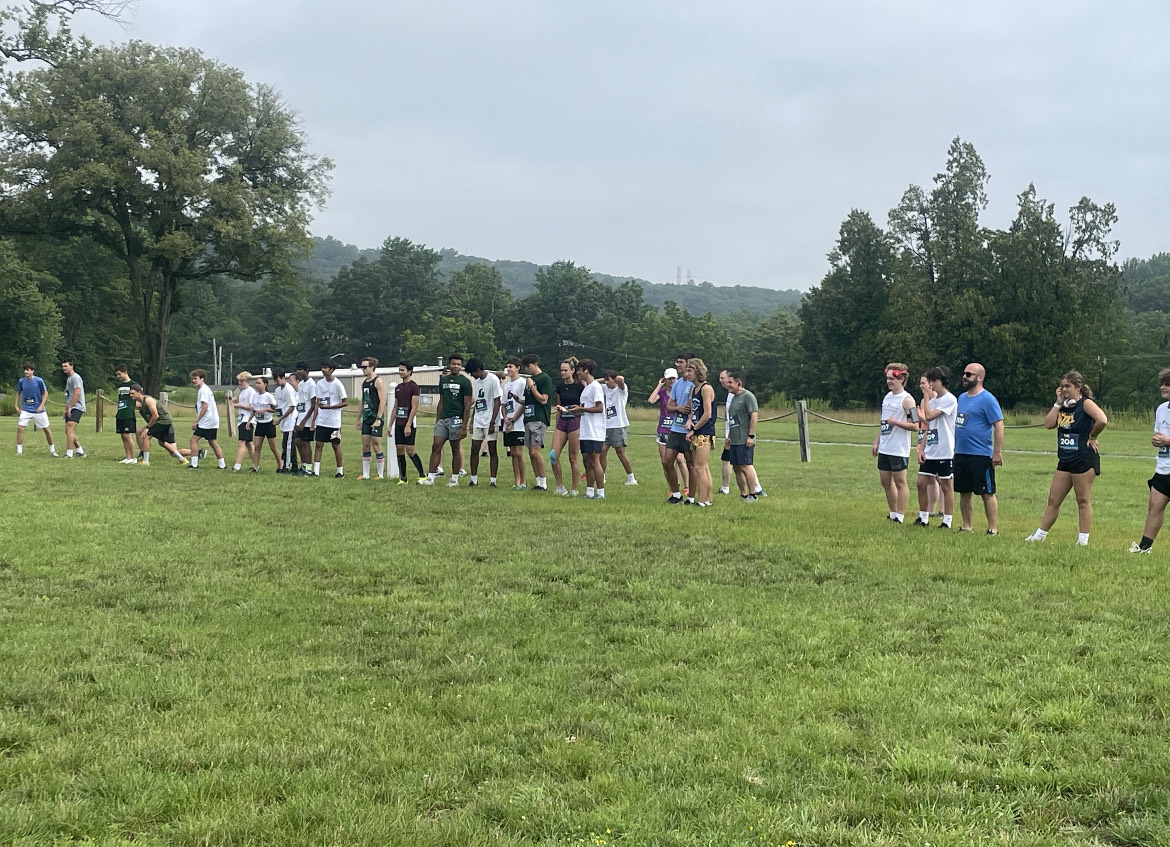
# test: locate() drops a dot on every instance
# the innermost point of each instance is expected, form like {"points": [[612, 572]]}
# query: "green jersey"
{"points": [[739, 416], [125, 404], [452, 389], [533, 410]]}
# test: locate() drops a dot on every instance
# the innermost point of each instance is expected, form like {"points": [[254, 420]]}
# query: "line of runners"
{"points": [[960, 445]]}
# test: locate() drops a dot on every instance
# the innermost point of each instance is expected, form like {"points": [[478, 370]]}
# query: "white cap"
{"points": [[670, 373]]}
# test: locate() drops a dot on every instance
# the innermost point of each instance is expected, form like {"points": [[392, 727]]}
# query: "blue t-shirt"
{"points": [[31, 392], [680, 393], [975, 423]]}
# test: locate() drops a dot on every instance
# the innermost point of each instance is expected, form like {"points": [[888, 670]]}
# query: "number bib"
{"points": [[480, 404], [1068, 442], [931, 438], [401, 413], [887, 428], [611, 411], [960, 420]]}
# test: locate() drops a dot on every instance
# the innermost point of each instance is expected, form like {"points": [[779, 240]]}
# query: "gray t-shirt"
{"points": [[739, 416], [72, 383]]}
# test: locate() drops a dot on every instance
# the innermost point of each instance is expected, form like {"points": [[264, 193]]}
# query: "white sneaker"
{"points": [[1033, 537], [425, 480], [1137, 548], [462, 472], [723, 489], [561, 490], [453, 483], [631, 482], [1082, 543]]}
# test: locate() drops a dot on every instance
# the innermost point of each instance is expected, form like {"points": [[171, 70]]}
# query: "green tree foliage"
{"points": [[38, 30], [170, 160], [371, 304], [1147, 283], [30, 324]]}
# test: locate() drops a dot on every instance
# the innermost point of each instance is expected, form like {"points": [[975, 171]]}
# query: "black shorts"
{"points": [[305, 434], [125, 426], [163, 432], [661, 439], [741, 455], [1160, 482], [886, 462], [266, 429], [725, 456], [244, 432], [1082, 464], [327, 434], [73, 415], [368, 428], [209, 434], [974, 474], [942, 468], [677, 441], [513, 439], [592, 446]]}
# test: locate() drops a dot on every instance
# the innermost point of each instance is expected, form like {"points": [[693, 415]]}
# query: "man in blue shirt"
{"points": [[32, 391], [978, 447], [676, 442]]}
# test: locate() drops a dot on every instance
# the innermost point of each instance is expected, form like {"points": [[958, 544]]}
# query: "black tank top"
{"points": [[569, 393], [1073, 426], [371, 399]]}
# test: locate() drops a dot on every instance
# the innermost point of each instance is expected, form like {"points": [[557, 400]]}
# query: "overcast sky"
{"points": [[730, 139]]}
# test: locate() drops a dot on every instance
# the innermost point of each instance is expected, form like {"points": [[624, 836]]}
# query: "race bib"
{"points": [[300, 407], [960, 420], [530, 410], [611, 411], [1164, 452], [456, 421], [666, 421], [887, 428], [932, 438], [680, 419], [1068, 441], [365, 404], [401, 413], [733, 421], [30, 402], [481, 405]]}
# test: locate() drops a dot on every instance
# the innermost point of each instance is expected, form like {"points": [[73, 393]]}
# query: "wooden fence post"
{"points": [[229, 415], [802, 430], [100, 412]]}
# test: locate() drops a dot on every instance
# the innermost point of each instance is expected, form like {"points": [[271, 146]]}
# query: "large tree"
{"points": [[30, 325], [171, 160]]}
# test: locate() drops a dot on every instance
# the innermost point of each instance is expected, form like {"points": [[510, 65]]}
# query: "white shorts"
{"points": [[480, 433], [40, 419]]}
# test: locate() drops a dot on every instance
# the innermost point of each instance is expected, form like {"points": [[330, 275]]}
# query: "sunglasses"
{"points": [[968, 373]]}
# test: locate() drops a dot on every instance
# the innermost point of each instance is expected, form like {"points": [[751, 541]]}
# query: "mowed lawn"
{"points": [[208, 658]]}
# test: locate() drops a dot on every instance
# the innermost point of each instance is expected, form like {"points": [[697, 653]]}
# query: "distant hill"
{"points": [[330, 255]]}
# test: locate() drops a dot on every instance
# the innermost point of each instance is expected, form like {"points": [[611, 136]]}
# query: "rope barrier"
{"points": [[834, 420]]}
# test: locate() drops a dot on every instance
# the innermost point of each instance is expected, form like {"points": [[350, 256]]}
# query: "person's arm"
{"points": [[381, 419], [909, 424], [199, 413], [751, 433], [495, 414], [467, 401], [997, 443], [44, 396], [656, 393], [1053, 415], [74, 399], [1100, 421], [152, 407], [410, 421], [540, 398]]}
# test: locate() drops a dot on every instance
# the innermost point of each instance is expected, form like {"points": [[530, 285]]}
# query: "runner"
{"points": [[125, 421], [591, 411], [330, 402], [743, 413], [206, 419], [245, 427], [661, 396], [487, 391], [286, 403], [1077, 421], [538, 392], [931, 482], [725, 457], [892, 444], [159, 425], [936, 447], [373, 418], [677, 446], [617, 423], [1159, 483], [406, 397], [452, 415], [978, 448], [513, 418], [263, 405], [74, 408], [33, 393], [701, 428], [568, 428], [306, 422]]}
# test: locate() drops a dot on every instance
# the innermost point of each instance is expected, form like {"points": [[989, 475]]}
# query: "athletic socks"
{"points": [[1038, 535], [946, 521], [195, 461], [601, 492], [177, 454], [402, 466], [366, 465], [590, 492], [492, 480], [1146, 543], [1082, 539], [19, 449], [924, 517], [316, 468], [474, 479], [68, 454], [380, 463], [223, 464], [417, 465], [236, 466]]}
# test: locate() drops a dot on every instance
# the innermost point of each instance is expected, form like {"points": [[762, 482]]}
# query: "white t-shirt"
{"points": [[286, 399], [1162, 425], [306, 391], [940, 435], [329, 394], [615, 406], [247, 398], [593, 423], [485, 391], [264, 404], [513, 399], [727, 415], [894, 441], [210, 418]]}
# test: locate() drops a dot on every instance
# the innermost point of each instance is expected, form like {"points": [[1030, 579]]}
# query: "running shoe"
{"points": [[1137, 548]]}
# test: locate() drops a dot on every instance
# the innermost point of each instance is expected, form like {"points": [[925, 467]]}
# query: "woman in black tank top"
{"points": [[1077, 421], [567, 431]]}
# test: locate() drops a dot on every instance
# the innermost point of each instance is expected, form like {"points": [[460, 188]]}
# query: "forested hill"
{"points": [[330, 255]]}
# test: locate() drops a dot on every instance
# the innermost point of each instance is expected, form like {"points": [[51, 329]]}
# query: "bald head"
{"points": [[973, 376]]}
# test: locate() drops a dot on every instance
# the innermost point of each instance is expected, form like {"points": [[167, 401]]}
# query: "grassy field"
{"points": [[207, 658]]}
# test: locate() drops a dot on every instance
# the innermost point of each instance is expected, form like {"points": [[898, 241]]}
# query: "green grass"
{"points": [[212, 658]]}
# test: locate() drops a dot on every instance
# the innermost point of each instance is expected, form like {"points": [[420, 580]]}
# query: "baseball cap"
{"points": [[670, 373]]}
